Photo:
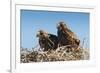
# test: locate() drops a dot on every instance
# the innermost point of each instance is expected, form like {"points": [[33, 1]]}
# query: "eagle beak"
{"points": [[37, 35], [58, 25]]}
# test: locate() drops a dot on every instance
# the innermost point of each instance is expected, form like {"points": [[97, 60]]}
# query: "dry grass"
{"points": [[64, 53]]}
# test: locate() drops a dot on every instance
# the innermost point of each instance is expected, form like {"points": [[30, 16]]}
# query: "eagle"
{"points": [[47, 41], [66, 36]]}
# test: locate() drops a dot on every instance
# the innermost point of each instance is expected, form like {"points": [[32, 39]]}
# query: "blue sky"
{"points": [[34, 20]]}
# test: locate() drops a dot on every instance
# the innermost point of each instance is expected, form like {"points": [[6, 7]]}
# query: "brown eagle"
{"points": [[47, 41], [66, 36]]}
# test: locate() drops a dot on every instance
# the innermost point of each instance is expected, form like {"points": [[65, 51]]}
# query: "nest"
{"points": [[64, 53]]}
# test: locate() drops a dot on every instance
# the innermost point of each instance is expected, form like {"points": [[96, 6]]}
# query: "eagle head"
{"points": [[42, 33], [61, 26]]}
